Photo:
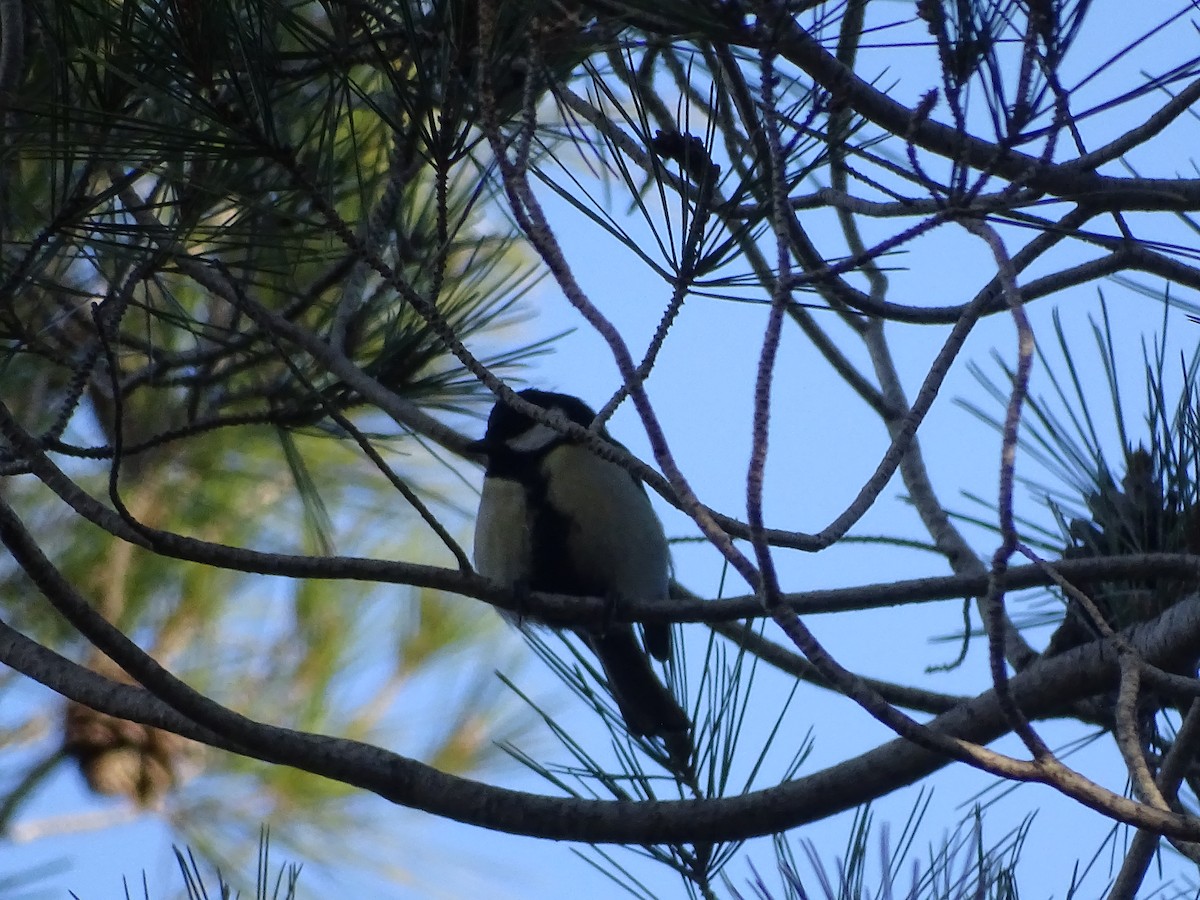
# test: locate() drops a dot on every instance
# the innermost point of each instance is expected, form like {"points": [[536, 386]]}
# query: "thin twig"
{"points": [[995, 616]]}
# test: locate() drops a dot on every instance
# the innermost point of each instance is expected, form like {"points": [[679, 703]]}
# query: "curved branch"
{"points": [[563, 609], [1070, 181], [1040, 690], [796, 665]]}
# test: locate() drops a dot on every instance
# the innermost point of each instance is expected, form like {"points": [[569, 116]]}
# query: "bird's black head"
{"points": [[514, 431]]}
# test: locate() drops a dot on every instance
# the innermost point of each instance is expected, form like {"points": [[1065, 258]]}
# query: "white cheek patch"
{"points": [[536, 437]]}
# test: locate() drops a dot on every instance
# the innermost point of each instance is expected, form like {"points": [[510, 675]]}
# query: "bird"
{"points": [[557, 518]]}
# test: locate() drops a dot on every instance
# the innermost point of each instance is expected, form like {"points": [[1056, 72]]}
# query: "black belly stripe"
{"points": [[549, 530]]}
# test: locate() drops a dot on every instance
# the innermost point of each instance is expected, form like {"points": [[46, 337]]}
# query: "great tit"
{"points": [[555, 517]]}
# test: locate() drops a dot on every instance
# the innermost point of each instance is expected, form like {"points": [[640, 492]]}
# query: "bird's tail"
{"points": [[648, 707]]}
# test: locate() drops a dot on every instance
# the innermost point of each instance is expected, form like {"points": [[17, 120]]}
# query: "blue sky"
{"points": [[823, 445]]}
